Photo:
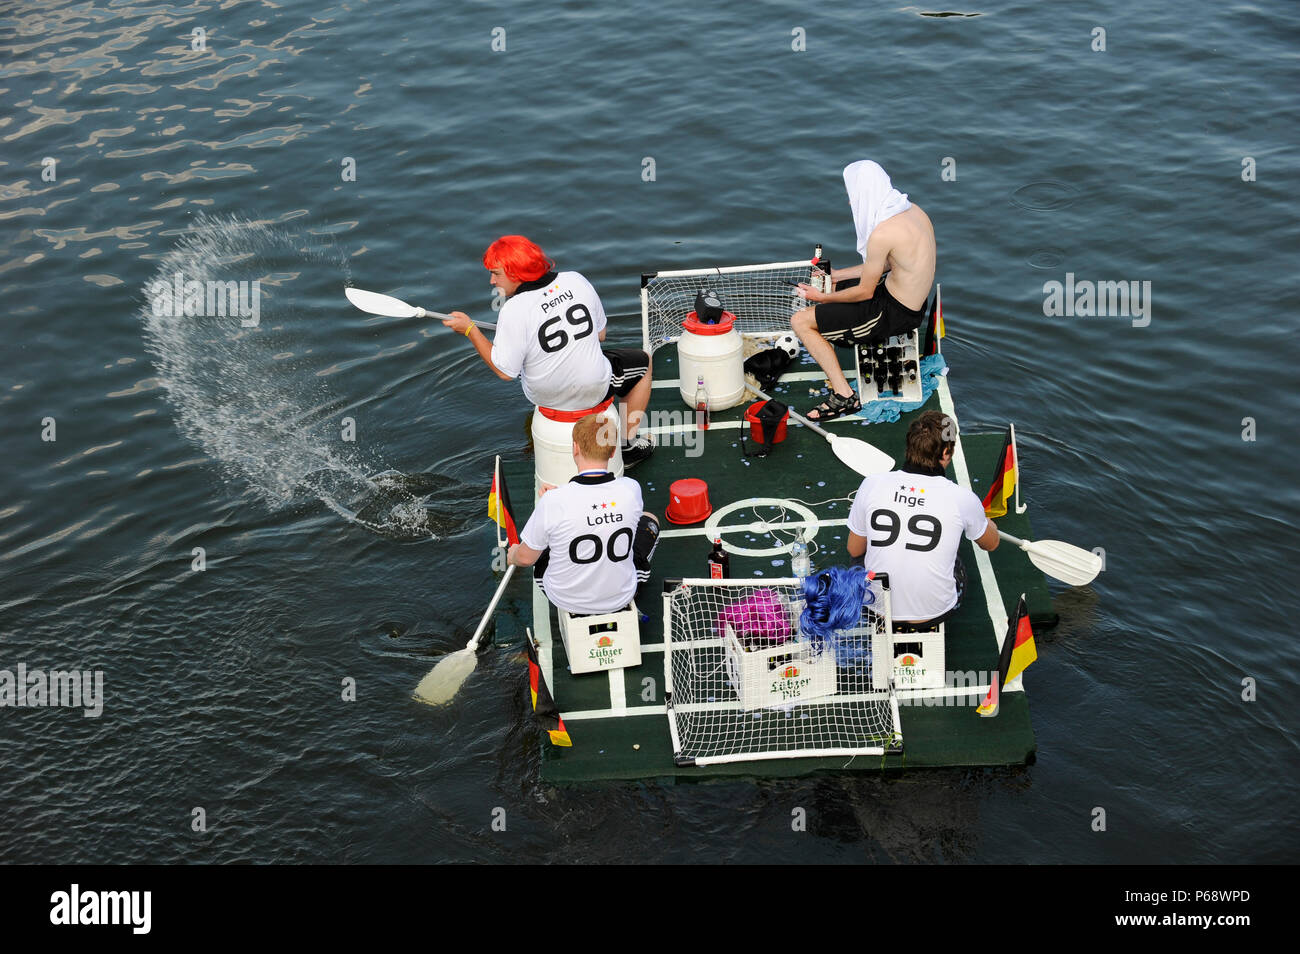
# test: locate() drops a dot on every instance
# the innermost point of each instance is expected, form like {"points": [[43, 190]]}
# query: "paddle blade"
{"points": [[377, 304], [1064, 561], [445, 679], [861, 456]]}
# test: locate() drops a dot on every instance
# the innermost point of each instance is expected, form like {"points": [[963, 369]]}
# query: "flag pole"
{"points": [[1014, 685], [496, 484], [938, 321], [1015, 454]]}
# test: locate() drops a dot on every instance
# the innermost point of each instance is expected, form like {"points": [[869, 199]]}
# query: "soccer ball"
{"points": [[788, 343]]}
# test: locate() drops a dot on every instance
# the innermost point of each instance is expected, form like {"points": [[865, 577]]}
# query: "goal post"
{"points": [[762, 297], [743, 682]]}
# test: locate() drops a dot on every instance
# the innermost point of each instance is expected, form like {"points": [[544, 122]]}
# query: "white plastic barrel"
{"points": [[553, 448], [713, 352]]}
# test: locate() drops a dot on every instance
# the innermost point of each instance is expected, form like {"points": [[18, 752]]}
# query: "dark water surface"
{"points": [[223, 687]]}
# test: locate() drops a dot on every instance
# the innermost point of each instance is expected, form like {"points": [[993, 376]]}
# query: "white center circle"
{"points": [[806, 517]]}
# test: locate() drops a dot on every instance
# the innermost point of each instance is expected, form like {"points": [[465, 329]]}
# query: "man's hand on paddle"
{"points": [[459, 322]]}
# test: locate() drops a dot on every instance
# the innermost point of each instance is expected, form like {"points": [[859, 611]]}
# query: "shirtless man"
{"points": [[894, 237]]}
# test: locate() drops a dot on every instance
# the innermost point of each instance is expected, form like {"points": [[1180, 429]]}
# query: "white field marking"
{"points": [[734, 705], [621, 714], [542, 629], [992, 595], [714, 529], [617, 697], [687, 428], [756, 527], [942, 692], [785, 378], [877, 696]]}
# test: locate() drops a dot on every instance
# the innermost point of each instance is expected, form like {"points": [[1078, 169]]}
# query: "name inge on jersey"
{"points": [[915, 501], [557, 301]]}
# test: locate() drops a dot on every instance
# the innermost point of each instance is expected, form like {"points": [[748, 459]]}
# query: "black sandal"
{"points": [[835, 406]]}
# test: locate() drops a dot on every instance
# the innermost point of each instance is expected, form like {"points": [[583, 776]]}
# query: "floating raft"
{"points": [[618, 720]]}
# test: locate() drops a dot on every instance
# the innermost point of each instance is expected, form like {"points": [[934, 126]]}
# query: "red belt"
{"points": [[570, 417]]}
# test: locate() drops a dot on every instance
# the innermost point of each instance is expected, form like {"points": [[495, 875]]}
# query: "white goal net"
{"points": [[745, 683], [762, 297]]}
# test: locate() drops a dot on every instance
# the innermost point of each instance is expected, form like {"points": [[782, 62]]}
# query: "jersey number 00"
{"points": [[596, 549]]}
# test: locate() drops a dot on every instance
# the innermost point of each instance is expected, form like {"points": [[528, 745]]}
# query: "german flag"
{"points": [[499, 508], [933, 325], [1018, 652], [1003, 487], [543, 705]]}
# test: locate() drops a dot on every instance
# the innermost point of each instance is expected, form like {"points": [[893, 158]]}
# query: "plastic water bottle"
{"points": [[800, 563], [701, 405]]}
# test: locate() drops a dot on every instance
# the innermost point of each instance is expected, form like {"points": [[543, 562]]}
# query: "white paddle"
{"points": [[859, 455], [1061, 561], [445, 679], [387, 305]]}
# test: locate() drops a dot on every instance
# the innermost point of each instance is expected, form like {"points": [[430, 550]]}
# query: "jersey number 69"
{"points": [[553, 338]]}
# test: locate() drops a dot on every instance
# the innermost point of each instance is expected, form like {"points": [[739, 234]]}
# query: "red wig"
{"points": [[521, 259]]}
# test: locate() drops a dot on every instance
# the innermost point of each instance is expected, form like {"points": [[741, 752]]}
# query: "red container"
{"points": [[688, 501], [756, 428]]}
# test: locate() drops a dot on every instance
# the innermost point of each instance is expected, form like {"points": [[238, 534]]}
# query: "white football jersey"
{"points": [[913, 524], [548, 334], [589, 524]]}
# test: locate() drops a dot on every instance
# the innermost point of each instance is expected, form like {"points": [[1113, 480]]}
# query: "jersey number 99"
{"points": [[552, 337], [923, 526]]}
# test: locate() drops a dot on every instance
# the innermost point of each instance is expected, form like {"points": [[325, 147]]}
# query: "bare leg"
{"points": [[637, 400], [804, 324]]}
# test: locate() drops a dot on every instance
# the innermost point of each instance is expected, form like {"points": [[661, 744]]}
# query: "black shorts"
{"points": [[628, 366], [866, 322]]}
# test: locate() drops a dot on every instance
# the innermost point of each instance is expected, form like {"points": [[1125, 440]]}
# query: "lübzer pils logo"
{"points": [[604, 652]]}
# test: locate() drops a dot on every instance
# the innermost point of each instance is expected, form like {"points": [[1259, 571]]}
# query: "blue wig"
{"points": [[833, 601]]}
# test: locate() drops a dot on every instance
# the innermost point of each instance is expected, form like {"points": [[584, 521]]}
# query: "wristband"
{"points": [[469, 328]]}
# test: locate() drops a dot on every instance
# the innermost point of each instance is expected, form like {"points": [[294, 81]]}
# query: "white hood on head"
{"points": [[872, 197]]}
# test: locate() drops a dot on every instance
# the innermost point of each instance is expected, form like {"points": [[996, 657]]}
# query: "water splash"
{"points": [[250, 396]]}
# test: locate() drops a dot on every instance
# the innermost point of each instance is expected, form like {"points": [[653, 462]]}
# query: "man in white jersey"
{"points": [[549, 335], [908, 523], [588, 541]]}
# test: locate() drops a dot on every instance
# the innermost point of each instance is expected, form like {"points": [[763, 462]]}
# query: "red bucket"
{"points": [[689, 501], [756, 427]]}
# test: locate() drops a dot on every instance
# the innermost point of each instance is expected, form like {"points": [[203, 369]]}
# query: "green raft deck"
{"points": [[618, 720]]}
